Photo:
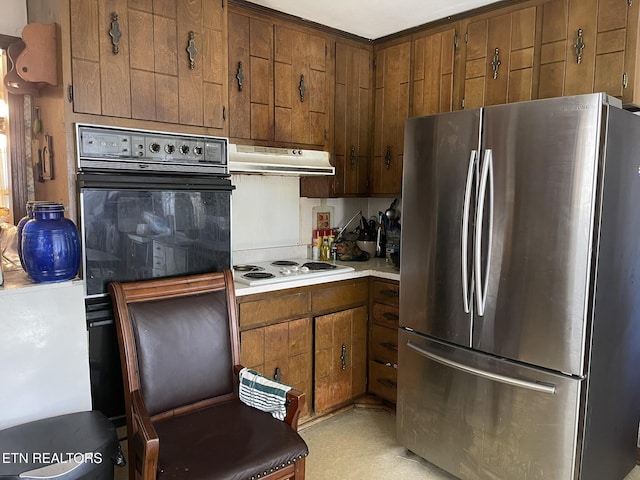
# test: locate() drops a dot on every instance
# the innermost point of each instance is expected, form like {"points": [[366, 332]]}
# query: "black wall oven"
{"points": [[152, 204]]}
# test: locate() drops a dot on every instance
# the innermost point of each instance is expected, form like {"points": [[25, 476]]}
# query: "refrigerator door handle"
{"points": [[486, 176], [465, 231], [536, 386]]}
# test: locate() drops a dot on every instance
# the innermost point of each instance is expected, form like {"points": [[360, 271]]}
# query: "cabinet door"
{"points": [[283, 352], [300, 87], [432, 79], [101, 81], [147, 73], [352, 112], [499, 58], [250, 77], [340, 357], [586, 48], [391, 110]]}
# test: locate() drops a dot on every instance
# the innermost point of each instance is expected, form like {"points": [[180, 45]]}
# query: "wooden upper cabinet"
{"points": [[589, 46], [352, 113], [250, 77], [499, 58], [392, 82], [101, 77], [301, 93], [432, 73], [136, 55]]}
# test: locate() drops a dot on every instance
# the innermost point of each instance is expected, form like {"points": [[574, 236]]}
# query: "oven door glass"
{"points": [[135, 234]]}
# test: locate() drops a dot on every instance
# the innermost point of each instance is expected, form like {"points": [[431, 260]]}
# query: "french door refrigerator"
{"points": [[519, 339]]}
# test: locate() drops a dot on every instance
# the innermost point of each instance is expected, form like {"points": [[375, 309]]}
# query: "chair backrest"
{"points": [[178, 340]]}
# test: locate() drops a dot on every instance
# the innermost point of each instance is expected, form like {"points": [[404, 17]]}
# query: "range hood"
{"points": [[278, 161]]}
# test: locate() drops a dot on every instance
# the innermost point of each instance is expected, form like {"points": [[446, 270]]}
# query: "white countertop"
{"points": [[376, 267]]}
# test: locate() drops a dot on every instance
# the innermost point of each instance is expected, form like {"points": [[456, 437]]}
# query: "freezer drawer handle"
{"points": [[538, 387]]}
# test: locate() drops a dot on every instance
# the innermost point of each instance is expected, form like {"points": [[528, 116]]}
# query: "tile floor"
{"points": [[371, 432]]}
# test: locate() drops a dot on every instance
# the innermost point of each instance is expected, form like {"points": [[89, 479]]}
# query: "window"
{"points": [[5, 176]]}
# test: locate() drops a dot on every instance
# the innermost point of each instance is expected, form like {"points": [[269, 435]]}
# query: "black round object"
{"points": [[319, 266], [247, 268], [284, 263], [258, 275]]}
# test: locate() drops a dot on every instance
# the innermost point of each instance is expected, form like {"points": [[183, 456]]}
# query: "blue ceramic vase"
{"points": [[50, 245]]}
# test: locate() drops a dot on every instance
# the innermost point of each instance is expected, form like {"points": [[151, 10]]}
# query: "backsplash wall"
{"points": [[268, 214]]}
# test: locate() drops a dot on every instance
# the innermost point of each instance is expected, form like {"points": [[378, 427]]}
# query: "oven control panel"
{"points": [[112, 148]]}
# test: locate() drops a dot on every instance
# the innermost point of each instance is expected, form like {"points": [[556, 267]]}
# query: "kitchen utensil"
{"points": [[390, 212]]}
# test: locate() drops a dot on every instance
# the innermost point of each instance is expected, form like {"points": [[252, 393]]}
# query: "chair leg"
{"points": [[299, 469]]}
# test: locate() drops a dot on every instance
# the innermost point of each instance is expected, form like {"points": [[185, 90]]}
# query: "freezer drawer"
{"points": [[479, 417]]}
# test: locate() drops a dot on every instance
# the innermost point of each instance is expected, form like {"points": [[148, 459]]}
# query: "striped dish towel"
{"points": [[263, 393]]}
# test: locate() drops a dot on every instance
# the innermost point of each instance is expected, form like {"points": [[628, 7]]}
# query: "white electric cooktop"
{"points": [[266, 273]]}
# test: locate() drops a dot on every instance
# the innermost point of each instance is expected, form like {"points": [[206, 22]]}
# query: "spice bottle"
{"points": [[315, 245]]}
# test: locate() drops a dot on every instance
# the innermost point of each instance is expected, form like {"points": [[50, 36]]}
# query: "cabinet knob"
{"points": [[343, 357], [495, 65], [192, 50], [302, 88], [115, 33], [240, 76], [579, 46]]}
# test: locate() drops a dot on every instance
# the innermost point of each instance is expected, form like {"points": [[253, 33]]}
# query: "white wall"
{"points": [[268, 214], [44, 352], [13, 17]]}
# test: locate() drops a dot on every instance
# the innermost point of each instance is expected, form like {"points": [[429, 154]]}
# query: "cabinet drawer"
{"points": [[384, 344], [386, 315], [271, 310], [340, 295], [386, 292], [383, 381]]}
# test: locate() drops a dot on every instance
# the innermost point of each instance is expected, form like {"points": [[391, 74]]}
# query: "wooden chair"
{"points": [[179, 351]]}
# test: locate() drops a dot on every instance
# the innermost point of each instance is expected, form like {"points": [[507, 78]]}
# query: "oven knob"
{"points": [[184, 149], [154, 147], [304, 269], [169, 148], [197, 150]]}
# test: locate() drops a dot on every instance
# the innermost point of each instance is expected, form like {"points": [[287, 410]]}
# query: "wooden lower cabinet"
{"points": [[296, 335], [282, 351], [383, 339], [340, 357]]}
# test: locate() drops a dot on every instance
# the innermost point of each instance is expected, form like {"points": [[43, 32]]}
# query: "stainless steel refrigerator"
{"points": [[519, 340]]}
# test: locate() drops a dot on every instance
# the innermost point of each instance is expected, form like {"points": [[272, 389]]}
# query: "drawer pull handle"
{"points": [[192, 50], [390, 293], [343, 357], [277, 375], [115, 34], [389, 346], [387, 383], [391, 316]]}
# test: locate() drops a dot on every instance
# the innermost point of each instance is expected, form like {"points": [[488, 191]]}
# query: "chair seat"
{"points": [[229, 441]]}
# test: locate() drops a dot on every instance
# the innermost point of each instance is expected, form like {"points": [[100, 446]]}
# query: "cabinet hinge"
{"points": [[466, 37], [455, 41], [70, 93], [625, 80]]}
